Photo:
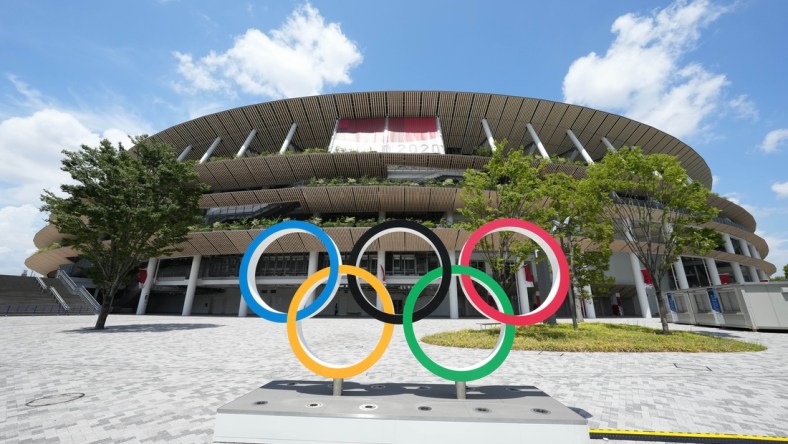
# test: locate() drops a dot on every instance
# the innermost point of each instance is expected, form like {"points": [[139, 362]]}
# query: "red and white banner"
{"points": [[416, 135]]}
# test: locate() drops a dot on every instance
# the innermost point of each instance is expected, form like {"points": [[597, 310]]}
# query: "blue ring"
{"points": [[332, 284]]}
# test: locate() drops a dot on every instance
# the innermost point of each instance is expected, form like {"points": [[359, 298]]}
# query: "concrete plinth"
{"points": [[306, 412]]}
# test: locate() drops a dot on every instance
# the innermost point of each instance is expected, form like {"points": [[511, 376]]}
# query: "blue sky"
{"points": [[712, 73]]}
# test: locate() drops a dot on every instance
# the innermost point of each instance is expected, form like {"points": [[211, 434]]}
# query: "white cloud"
{"points": [[299, 58], [32, 143], [18, 225], [781, 189], [744, 107], [641, 74], [715, 180], [773, 140], [778, 249]]}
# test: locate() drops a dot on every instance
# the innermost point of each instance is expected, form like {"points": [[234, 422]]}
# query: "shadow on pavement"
{"points": [[581, 412], [143, 328]]}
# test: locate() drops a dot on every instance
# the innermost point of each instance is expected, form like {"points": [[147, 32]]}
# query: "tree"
{"points": [[785, 271], [657, 209], [578, 217], [507, 188], [122, 208]]}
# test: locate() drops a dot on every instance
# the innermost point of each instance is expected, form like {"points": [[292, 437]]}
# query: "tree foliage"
{"points": [[579, 219], [122, 208], [509, 187], [656, 208], [515, 185]]}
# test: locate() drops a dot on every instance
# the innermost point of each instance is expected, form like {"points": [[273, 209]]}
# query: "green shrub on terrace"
{"points": [[50, 247], [347, 221], [316, 150], [368, 181]]}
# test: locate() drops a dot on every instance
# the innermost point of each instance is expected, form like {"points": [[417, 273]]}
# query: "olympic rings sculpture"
{"points": [[301, 308]]}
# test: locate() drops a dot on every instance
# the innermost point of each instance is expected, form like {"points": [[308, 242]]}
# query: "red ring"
{"points": [[543, 311]]}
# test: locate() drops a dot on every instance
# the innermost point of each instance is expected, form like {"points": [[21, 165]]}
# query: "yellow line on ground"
{"points": [[690, 435]]}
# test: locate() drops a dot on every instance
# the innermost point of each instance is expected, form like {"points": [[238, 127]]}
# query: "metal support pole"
{"points": [[208, 153], [488, 133], [460, 388], [184, 153], [580, 147], [191, 288], [609, 145], [288, 138], [537, 141], [337, 387], [146, 287], [246, 143]]}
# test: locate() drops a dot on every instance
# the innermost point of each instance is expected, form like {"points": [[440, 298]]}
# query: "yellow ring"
{"points": [[297, 343]]}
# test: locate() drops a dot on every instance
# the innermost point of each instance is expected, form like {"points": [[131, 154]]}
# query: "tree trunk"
{"points": [[572, 305], [106, 304], [579, 298], [663, 309]]}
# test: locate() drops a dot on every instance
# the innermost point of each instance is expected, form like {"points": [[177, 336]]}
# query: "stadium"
{"points": [[350, 161]]}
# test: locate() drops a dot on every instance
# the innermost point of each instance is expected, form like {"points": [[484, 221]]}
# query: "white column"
{"points": [[143, 304], [211, 148], [761, 274], [450, 217], [191, 288], [380, 273], [714, 274], [242, 308], [488, 133], [538, 142], [288, 138], [247, 142], [734, 265], [311, 268], [681, 275], [745, 249], [589, 303], [184, 153], [608, 145], [753, 251], [640, 286], [579, 147], [454, 311], [381, 216], [753, 273], [522, 290]]}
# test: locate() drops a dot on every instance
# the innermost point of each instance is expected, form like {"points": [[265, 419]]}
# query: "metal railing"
{"points": [[59, 298], [88, 298], [41, 283], [78, 290], [41, 309], [66, 280]]}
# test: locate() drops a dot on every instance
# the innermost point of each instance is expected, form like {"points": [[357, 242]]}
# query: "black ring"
{"points": [[379, 230]]}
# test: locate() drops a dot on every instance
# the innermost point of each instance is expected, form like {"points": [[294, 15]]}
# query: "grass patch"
{"points": [[594, 337]]}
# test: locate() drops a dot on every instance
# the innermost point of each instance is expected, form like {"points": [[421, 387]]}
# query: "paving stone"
{"points": [[161, 378]]}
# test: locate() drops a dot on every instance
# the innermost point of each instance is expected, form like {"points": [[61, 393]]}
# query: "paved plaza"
{"points": [[161, 378]]}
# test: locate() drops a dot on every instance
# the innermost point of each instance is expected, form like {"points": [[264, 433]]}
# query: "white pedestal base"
{"points": [[306, 412]]}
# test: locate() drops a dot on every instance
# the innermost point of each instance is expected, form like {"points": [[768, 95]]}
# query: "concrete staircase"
{"points": [[23, 295]]}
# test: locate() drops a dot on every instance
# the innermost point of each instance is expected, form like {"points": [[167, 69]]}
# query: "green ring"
{"points": [[505, 340]]}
